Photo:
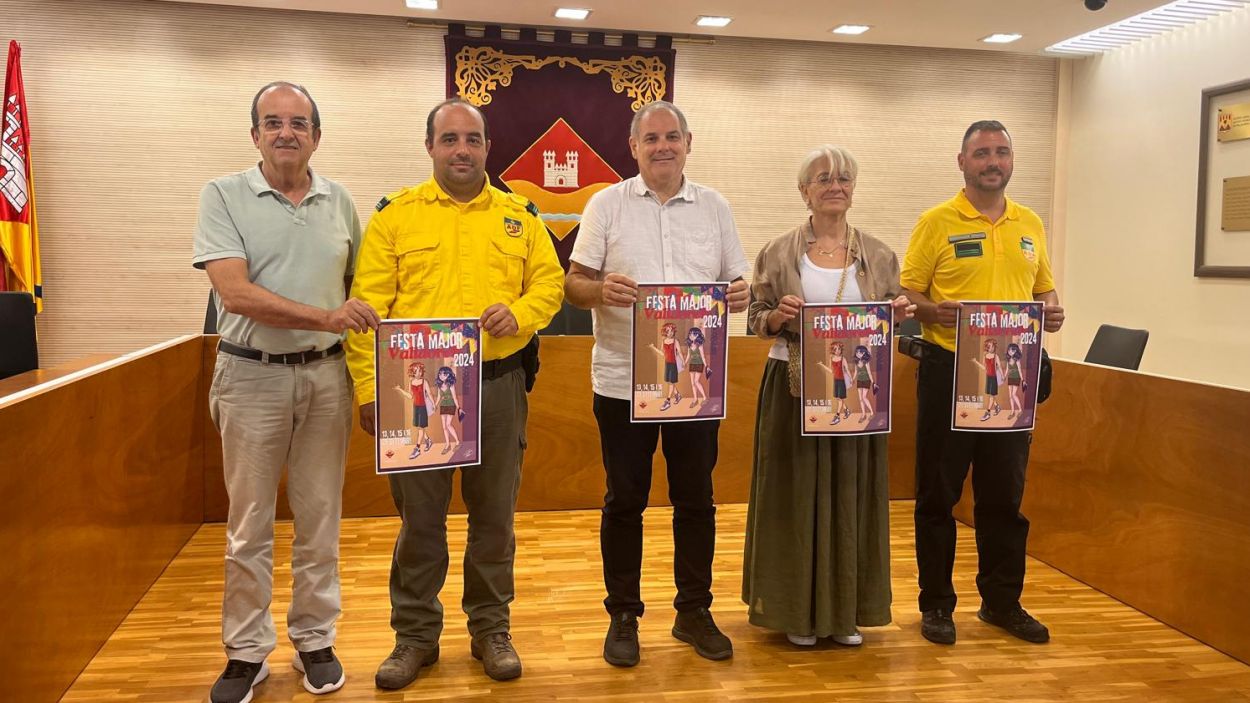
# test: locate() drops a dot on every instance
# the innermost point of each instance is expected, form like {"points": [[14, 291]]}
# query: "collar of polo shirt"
{"points": [[256, 181], [968, 210]]}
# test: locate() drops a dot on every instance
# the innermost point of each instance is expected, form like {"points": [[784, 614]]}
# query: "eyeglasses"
{"points": [[826, 180], [298, 125]]}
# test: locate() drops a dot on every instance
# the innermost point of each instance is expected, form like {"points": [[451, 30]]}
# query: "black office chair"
{"points": [[19, 349], [570, 320], [908, 327], [210, 316], [1117, 346]]}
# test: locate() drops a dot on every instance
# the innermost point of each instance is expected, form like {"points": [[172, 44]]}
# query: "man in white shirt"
{"points": [[655, 227]]}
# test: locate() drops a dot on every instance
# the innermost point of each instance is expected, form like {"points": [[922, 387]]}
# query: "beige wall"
{"points": [[1131, 203], [134, 105]]}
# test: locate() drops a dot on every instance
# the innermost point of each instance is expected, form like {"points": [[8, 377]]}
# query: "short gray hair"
{"points": [[840, 162], [316, 114], [652, 107]]}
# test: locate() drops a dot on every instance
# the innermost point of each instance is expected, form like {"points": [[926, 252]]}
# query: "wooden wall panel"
{"points": [[903, 436], [563, 467], [1139, 486], [100, 486]]}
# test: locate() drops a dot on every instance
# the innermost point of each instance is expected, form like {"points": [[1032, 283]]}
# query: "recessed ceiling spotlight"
{"points": [[710, 21], [572, 13], [1001, 38], [851, 29], [422, 4]]}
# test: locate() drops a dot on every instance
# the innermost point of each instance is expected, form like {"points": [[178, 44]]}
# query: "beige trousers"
{"points": [[272, 417]]}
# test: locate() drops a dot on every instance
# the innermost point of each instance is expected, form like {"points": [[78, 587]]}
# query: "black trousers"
{"points": [[690, 453], [998, 462]]}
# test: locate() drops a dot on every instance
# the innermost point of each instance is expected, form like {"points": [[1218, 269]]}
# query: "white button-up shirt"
{"points": [[691, 238]]}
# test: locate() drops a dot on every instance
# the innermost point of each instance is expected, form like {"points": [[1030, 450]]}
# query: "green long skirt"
{"points": [[817, 557]]}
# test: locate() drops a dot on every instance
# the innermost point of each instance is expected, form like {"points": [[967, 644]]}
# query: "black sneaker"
{"points": [[697, 627], [236, 682], [321, 669], [937, 626], [620, 647], [1016, 622]]}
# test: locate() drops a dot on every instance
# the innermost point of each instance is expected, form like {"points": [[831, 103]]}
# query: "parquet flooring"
{"points": [[168, 649]]}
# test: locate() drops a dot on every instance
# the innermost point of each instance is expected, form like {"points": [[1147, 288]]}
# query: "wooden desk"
{"points": [[101, 483], [563, 466], [1139, 486], [30, 379]]}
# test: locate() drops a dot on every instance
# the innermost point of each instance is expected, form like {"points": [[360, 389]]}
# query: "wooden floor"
{"points": [[168, 649]]}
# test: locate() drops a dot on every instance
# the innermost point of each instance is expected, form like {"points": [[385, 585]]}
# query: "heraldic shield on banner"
{"points": [[559, 114], [559, 173]]}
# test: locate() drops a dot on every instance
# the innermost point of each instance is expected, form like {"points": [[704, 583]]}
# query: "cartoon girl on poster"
{"points": [[840, 370], [418, 392], [695, 364], [1015, 379], [448, 404], [864, 382], [671, 358], [993, 376]]}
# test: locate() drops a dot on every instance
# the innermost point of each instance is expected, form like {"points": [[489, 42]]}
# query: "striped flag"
{"points": [[19, 234]]}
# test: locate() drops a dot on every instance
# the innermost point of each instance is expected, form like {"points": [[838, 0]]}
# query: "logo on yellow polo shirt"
{"points": [[512, 227], [1026, 248]]}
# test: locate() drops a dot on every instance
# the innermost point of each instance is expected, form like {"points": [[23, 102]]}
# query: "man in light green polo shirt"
{"points": [[278, 243]]}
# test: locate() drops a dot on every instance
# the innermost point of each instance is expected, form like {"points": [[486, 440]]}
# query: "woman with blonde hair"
{"points": [[816, 562]]}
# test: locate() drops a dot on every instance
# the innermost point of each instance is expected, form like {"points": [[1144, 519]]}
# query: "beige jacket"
{"points": [[777, 274]]}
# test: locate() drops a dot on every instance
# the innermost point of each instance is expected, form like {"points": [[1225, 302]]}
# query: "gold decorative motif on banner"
{"points": [[480, 70]]}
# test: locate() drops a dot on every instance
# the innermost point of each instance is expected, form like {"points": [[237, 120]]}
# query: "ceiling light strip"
{"points": [[1160, 20]]}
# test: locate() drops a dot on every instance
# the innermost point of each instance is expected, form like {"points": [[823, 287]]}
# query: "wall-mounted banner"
{"points": [[847, 368], [429, 394], [998, 356], [559, 115], [680, 343]]}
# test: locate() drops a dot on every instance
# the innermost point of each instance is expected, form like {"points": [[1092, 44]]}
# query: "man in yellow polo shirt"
{"points": [[978, 245], [455, 246]]}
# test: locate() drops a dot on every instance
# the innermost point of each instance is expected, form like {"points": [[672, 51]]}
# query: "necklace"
{"points": [[845, 245], [850, 257]]}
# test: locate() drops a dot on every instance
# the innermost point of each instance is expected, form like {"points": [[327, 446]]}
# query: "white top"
{"points": [[820, 287], [691, 238]]}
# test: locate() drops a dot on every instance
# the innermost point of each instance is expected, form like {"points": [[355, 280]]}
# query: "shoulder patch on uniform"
{"points": [[523, 202], [392, 197]]}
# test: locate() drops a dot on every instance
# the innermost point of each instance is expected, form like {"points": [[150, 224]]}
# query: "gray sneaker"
{"points": [[498, 656], [403, 665], [236, 682], [321, 669]]}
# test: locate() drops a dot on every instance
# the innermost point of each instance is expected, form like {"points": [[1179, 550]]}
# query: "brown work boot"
{"points": [[402, 667], [498, 656]]}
